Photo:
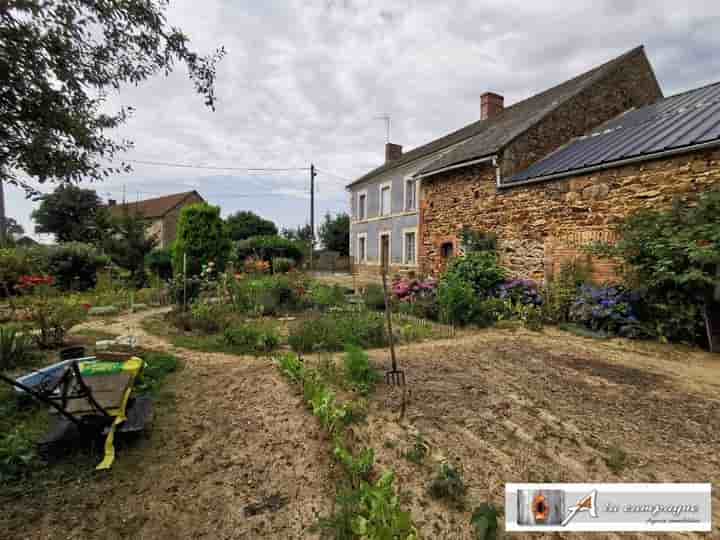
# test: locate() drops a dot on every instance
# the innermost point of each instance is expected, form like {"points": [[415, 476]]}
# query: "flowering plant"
{"points": [[410, 290], [28, 283], [607, 309], [520, 291], [255, 265]]}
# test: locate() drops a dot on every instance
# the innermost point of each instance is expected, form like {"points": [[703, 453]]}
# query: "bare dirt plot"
{"points": [[524, 407], [232, 455]]}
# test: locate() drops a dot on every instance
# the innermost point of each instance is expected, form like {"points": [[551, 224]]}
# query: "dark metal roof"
{"points": [[486, 137], [673, 123]]}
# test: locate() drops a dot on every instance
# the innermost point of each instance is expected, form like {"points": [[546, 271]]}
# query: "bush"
{"points": [[268, 248], [253, 338], [560, 293], [325, 296], [74, 265], [14, 263], [479, 269], [417, 298], [17, 451], [458, 301], [359, 373], [208, 318], [54, 316], [374, 297], [157, 367], [605, 309], [203, 237], [159, 262], [187, 290], [333, 332], [282, 265], [520, 291], [291, 366], [529, 315], [15, 348], [492, 310]]}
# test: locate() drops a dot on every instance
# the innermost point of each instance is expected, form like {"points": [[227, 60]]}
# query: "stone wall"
{"points": [[540, 225]]}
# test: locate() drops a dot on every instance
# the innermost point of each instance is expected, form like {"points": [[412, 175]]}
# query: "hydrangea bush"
{"points": [[520, 291], [607, 309]]}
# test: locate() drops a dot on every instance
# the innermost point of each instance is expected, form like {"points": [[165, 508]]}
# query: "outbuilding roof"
{"points": [[485, 137], [673, 124], [153, 208]]}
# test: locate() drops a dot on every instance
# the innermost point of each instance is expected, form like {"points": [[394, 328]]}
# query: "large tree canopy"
{"points": [[246, 224], [58, 58], [335, 233], [72, 214]]}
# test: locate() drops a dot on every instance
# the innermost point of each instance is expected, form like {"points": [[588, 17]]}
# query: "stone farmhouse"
{"points": [[547, 175], [161, 212]]}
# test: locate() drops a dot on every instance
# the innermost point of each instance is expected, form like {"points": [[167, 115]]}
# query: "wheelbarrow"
{"points": [[91, 398]]}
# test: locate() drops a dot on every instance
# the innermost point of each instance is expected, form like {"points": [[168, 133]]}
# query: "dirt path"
{"points": [[233, 454]]}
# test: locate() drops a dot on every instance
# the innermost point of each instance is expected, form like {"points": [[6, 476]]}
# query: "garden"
{"points": [[281, 424]]}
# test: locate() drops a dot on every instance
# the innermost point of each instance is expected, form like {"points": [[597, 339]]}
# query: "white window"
{"points": [[362, 205], [362, 248], [385, 199], [410, 246], [411, 194]]}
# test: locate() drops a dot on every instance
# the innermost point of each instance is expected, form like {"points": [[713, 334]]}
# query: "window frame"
{"points": [[405, 232], [389, 234], [361, 236], [416, 184], [364, 216], [381, 209]]}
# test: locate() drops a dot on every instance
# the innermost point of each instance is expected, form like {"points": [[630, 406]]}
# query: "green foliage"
{"points": [[419, 451], [208, 318], [559, 294], [492, 310], [17, 451], [201, 234], [323, 404], [457, 300], [157, 367], [335, 233], [485, 522], [267, 248], [374, 297], [359, 373], [530, 315], [72, 214], [358, 468], [252, 338], [291, 366], [245, 224], [334, 331], [480, 270], [53, 316], [266, 295], [14, 262], [325, 296], [74, 265], [449, 484], [15, 348], [60, 60], [159, 262], [128, 244], [282, 265], [475, 241], [672, 257], [378, 514]]}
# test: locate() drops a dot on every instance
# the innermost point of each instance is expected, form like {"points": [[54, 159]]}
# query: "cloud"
{"points": [[303, 81]]}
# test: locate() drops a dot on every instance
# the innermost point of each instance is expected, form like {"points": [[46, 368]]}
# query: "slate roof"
{"points": [[674, 123], [485, 137], [153, 208]]}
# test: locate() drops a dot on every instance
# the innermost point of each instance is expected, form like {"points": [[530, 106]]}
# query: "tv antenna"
{"points": [[385, 117]]}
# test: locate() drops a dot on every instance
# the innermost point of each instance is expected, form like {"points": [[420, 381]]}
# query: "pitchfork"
{"points": [[395, 376]]}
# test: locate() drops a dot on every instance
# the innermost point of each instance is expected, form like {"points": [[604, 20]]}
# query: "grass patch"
{"points": [[157, 367], [583, 332], [448, 484], [616, 459]]}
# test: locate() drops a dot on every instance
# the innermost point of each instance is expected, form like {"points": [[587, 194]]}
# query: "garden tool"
{"points": [[395, 376]]}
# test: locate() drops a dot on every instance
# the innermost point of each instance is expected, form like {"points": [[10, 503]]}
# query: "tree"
{"points": [[202, 236], [72, 214], [9, 230], [129, 244], [300, 234], [335, 233], [58, 59], [245, 224]]}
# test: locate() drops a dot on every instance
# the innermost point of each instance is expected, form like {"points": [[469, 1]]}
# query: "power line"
{"points": [[333, 174], [215, 167]]}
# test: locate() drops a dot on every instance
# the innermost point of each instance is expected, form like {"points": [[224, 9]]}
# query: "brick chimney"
{"points": [[392, 152], [491, 104]]}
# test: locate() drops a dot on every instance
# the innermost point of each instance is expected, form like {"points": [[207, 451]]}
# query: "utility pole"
{"points": [[313, 174]]}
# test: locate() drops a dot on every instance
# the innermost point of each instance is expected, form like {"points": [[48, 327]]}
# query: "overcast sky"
{"points": [[303, 81]]}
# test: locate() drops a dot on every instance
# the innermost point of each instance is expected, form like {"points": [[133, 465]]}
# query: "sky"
{"points": [[303, 81]]}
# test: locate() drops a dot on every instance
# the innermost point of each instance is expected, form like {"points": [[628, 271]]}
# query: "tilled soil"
{"points": [[524, 407], [234, 455]]}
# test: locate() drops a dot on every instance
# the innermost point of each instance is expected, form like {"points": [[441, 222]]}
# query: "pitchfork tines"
{"points": [[395, 376]]}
